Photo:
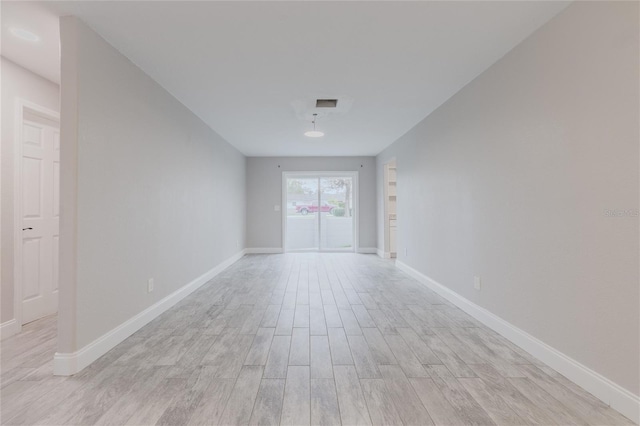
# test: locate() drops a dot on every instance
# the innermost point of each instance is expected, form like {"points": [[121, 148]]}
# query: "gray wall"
{"points": [[264, 191], [159, 194], [17, 82], [512, 178]]}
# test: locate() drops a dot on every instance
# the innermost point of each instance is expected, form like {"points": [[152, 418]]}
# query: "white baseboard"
{"points": [[383, 254], [9, 328], [367, 250], [66, 364], [264, 250], [274, 250], [609, 392]]}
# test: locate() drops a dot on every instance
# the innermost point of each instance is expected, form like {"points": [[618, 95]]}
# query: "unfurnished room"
{"points": [[320, 212]]}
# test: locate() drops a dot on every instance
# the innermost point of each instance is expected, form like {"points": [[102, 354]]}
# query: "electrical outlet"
{"points": [[237, 244], [150, 285], [476, 283], [276, 208]]}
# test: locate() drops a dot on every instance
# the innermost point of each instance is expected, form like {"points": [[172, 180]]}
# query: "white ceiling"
{"points": [[42, 57], [251, 70]]}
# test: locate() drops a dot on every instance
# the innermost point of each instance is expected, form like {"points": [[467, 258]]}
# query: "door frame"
{"points": [[22, 105], [317, 174], [386, 234]]}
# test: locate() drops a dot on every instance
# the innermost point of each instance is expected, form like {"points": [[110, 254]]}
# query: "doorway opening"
{"points": [[390, 204], [320, 211], [37, 212]]}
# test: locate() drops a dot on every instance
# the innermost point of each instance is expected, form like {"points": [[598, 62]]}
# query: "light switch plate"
{"points": [[476, 283]]}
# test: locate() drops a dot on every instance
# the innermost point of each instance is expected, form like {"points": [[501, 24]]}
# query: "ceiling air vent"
{"points": [[326, 103]]}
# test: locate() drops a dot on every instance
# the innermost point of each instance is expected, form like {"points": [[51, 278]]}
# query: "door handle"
{"points": [[27, 229]]}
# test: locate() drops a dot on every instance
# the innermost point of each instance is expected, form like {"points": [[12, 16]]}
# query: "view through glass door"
{"points": [[320, 212]]}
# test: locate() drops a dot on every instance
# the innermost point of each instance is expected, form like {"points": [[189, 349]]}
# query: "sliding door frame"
{"points": [[318, 175]]}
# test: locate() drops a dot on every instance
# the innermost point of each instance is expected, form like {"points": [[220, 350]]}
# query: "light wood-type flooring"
{"points": [[299, 339]]}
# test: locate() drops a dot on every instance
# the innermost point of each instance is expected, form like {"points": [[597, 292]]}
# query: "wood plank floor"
{"points": [[298, 339]]}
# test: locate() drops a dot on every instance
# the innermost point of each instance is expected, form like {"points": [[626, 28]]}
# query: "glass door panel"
{"points": [[302, 214], [337, 212]]}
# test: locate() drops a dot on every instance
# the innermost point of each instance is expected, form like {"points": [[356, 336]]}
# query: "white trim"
{"points": [[283, 211], [263, 250], [66, 364], [20, 106], [9, 328], [609, 392], [367, 250], [383, 254], [386, 238]]}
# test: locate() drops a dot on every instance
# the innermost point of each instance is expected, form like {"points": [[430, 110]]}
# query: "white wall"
{"points": [[17, 82], [264, 191], [512, 178], [155, 192]]}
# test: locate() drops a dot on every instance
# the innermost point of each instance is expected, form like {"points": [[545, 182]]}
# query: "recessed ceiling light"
{"points": [[314, 133], [24, 34]]}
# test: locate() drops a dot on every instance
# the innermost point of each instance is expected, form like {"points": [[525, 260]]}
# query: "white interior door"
{"points": [[40, 219]]}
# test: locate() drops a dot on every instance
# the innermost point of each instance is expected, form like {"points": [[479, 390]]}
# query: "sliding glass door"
{"points": [[319, 211], [336, 226], [302, 214]]}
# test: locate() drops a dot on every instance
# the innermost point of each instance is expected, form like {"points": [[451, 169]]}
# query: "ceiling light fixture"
{"points": [[24, 34], [314, 133]]}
